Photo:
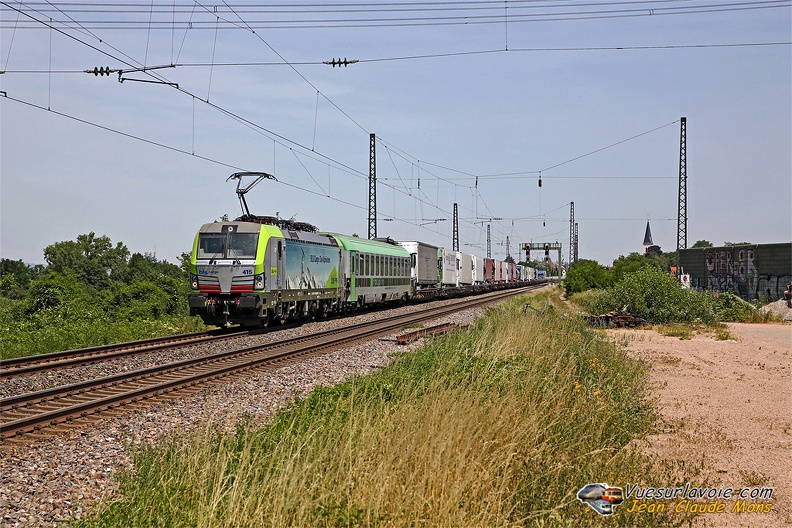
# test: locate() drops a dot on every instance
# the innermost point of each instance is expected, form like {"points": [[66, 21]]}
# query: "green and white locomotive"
{"points": [[256, 269]]}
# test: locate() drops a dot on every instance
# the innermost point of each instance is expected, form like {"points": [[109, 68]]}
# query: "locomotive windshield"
{"points": [[227, 245]]}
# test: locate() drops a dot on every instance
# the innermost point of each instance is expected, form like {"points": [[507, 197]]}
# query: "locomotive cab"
{"points": [[224, 274]]}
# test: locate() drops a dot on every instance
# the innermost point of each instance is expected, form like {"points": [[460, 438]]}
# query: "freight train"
{"points": [[256, 270]]}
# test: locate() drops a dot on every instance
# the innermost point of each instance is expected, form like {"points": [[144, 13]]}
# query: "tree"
{"points": [[92, 259], [702, 244], [631, 263], [584, 275]]}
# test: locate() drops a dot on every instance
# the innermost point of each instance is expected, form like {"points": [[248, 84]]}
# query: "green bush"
{"points": [[657, 297], [584, 275]]}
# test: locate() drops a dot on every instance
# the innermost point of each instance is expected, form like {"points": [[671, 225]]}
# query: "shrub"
{"points": [[585, 275], [657, 297]]}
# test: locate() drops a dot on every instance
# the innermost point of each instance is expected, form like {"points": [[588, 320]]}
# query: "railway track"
{"points": [[74, 403], [84, 356]]}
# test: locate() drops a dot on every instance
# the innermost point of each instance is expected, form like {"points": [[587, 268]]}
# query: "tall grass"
{"points": [[66, 328], [496, 426]]}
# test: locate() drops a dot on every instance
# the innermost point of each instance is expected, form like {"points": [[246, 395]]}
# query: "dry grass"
{"points": [[498, 426]]}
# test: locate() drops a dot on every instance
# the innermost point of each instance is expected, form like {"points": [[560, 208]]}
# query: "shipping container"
{"points": [[478, 269], [465, 268], [423, 261], [489, 271], [447, 266]]}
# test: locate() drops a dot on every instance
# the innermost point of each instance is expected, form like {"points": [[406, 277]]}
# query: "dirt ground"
{"points": [[726, 408]]}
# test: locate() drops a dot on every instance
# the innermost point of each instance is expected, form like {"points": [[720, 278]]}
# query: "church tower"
{"points": [[648, 244], [647, 238]]}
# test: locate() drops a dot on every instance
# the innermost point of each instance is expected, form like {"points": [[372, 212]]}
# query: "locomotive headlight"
{"points": [[259, 282], [194, 282]]}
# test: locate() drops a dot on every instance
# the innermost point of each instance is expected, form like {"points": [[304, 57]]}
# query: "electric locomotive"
{"points": [[255, 270]]}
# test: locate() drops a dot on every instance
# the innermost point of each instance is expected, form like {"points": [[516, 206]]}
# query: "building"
{"points": [[649, 246], [747, 270]]}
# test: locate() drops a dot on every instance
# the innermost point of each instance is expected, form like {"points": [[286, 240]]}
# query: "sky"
{"points": [[470, 103]]}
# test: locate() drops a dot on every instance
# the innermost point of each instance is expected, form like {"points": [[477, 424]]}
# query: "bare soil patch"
{"points": [[726, 409]]}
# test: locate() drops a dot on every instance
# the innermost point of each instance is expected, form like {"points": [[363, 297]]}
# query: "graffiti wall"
{"points": [[733, 270], [748, 271]]}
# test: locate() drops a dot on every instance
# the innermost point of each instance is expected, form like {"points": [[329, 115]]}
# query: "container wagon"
{"points": [[423, 263]]}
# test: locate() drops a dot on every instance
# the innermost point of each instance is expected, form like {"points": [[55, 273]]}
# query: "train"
{"points": [[260, 270]]}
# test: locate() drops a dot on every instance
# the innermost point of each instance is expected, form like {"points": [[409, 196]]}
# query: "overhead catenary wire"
{"points": [[433, 13], [260, 129]]}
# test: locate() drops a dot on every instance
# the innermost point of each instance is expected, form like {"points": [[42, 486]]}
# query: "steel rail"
{"points": [[165, 379], [69, 358]]}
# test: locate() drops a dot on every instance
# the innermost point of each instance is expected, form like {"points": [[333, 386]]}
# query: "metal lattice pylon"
{"points": [[455, 241], [489, 244], [576, 242], [682, 207], [571, 232], [372, 209]]}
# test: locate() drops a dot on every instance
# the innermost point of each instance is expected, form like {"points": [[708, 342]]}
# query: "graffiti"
{"points": [[733, 270], [773, 286]]}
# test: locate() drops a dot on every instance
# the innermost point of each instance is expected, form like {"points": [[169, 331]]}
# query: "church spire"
{"points": [[648, 236]]}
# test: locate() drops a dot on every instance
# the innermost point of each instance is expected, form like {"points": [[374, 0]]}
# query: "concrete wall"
{"points": [[748, 271]]}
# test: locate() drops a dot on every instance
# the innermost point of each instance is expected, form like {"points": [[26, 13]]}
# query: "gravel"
{"points": [[57, 478], [781, 308]]}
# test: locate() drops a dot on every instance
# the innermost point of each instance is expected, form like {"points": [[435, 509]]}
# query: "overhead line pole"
{"points": [[682, 206], [372, 208], [576, 242], [455, 241], [489, 244], [571, 232]]}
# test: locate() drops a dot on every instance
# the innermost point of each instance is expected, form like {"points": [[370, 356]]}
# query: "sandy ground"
{"points": [[726, 408]]}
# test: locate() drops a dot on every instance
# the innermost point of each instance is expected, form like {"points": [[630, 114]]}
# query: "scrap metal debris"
{"points": [[620, 319], [432, 330]]}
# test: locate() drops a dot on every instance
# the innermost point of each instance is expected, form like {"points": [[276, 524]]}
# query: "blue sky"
{"points": [[553, 102]]}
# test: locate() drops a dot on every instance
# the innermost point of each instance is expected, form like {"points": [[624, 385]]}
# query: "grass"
{"points": [[496, 426], [753, 478], [677, 330], [53, 330], [722, 333]]}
